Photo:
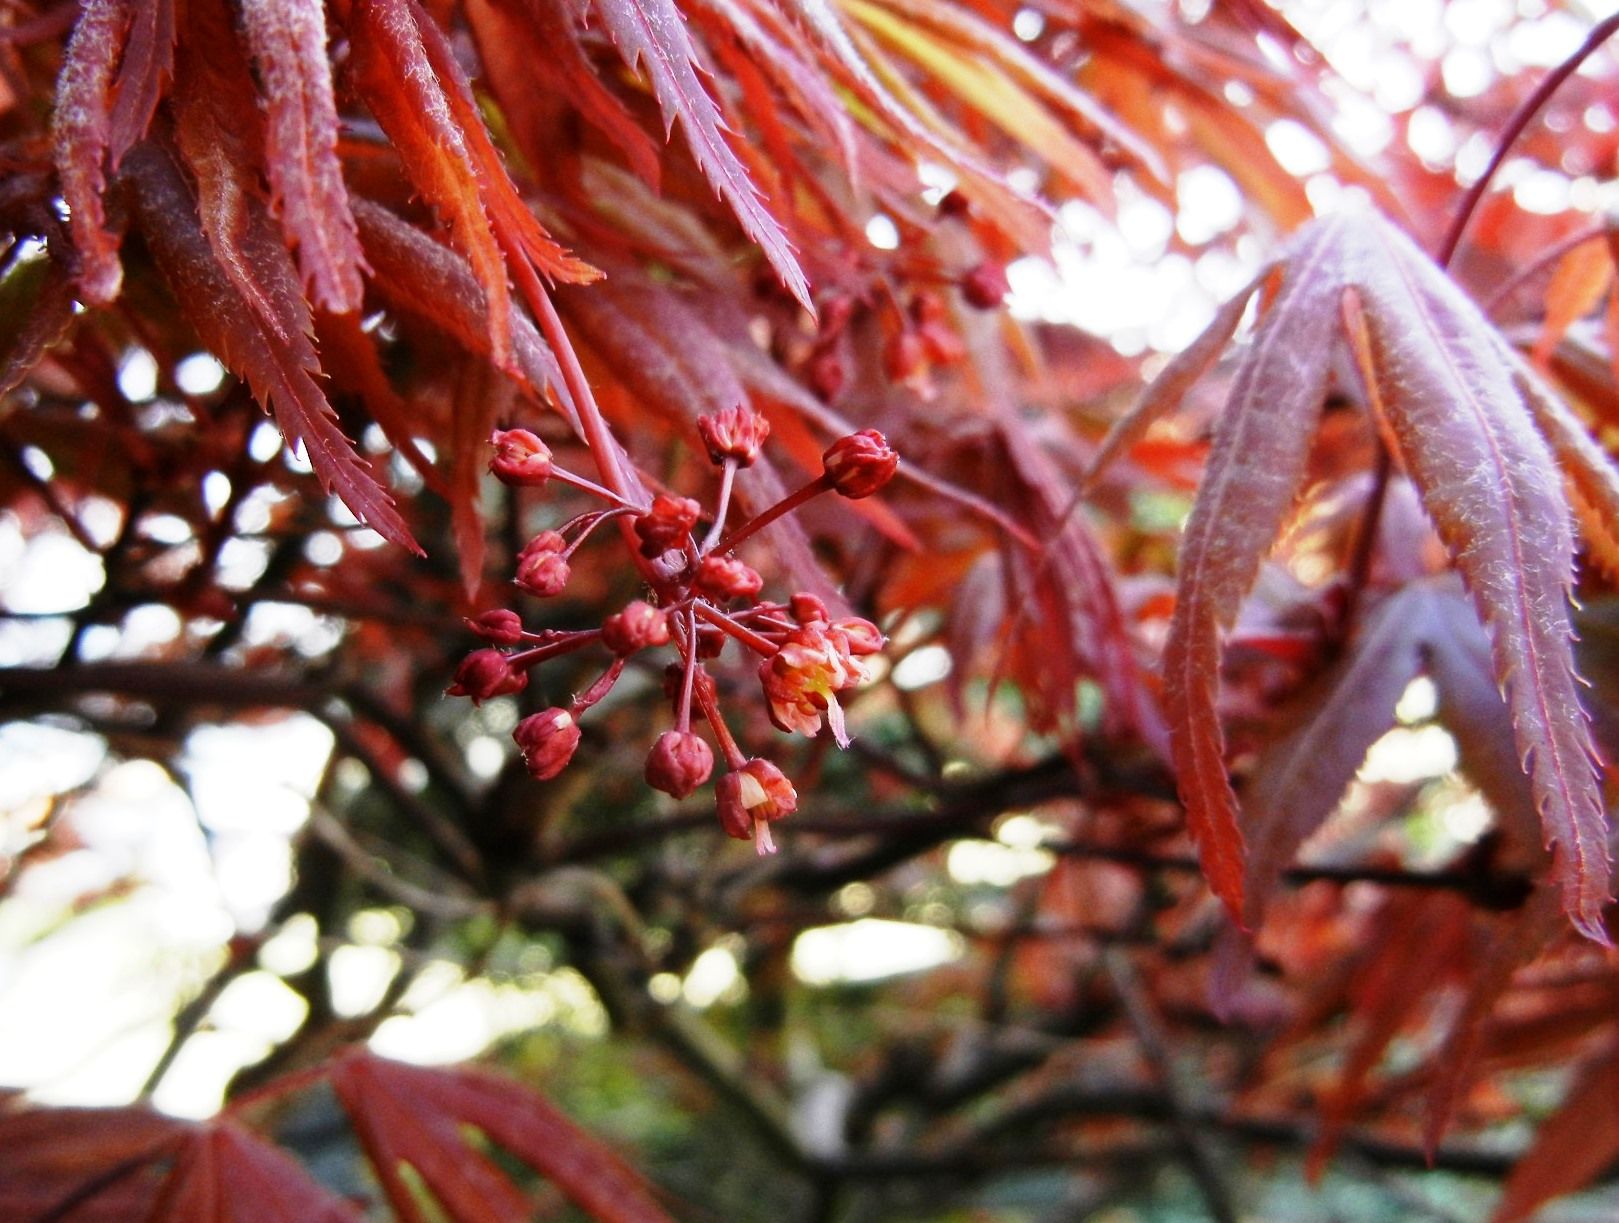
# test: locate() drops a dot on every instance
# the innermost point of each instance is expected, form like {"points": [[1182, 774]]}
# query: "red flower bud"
{"points": [[521, 458], [637, 627], [984, 287], [725, 577], [484, 674], [667, 524], [548, 740], [806, 608], [750, 798], [543, 571], [735, 433], [860, 464], [500, 626], [678, 763], [859, 637]]}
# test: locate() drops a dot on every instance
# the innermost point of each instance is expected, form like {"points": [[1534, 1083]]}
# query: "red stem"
{"points": [[749, 638], [734, 758], [1600, 33], [821, 484]]}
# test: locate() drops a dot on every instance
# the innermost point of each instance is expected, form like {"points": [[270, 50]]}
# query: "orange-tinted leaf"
{"points": [[1458, 418], [414, 1115], [224, 1174], [392, 72], [983, 86], [288, 40], [408, 75], [82, 132], [1255, 467], [541, 38], [482, 399], [1572, 1147], [1578, 282], [770, 43], [265, 339], [651, 36]]}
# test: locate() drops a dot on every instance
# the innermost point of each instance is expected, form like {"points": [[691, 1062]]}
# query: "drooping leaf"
{"points": [[1517, 939], [1572, 1147], [1299, 779], [651, 36], [264, 339], [482, 400], [1420, 940], [288, 42], [1255, 467], [143, 75], [82, 133], [1450, 398], [417, 1116], [1459, 420], [889, 96], [770, 43]]}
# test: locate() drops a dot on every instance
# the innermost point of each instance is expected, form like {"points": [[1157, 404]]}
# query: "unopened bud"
{"points": [[860, 637], [667, 524], [807, 608], [501, 626], [638, 627], [548, 740], [678, 763], [543, 573], [521, 458], [722, 578], [860, 464], [736, 433], [485, 674]]}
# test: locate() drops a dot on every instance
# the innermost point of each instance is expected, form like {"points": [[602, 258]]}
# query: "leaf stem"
{"points": [[1600, 33]]}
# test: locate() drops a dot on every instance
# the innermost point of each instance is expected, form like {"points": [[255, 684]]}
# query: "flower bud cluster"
{"points": [[700, 596]]}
